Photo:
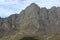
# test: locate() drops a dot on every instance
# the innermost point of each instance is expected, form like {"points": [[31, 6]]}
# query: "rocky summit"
{"points": [[31, 20]]}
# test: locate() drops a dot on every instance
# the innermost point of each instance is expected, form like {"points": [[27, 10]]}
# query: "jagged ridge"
{"points": [[32, 20]]}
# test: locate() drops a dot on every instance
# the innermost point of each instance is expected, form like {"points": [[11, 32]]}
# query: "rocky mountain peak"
{"points": [[31, 20], [33, 4]]}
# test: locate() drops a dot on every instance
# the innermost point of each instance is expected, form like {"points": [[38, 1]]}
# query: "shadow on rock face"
{"points": [[29, 38]]}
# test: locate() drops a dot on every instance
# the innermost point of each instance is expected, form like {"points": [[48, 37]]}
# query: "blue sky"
{"points": [[8, 7]]}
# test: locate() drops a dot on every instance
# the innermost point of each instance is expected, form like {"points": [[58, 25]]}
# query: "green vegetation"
{"points": [[28, 38], [21, 37], [53, 36]]}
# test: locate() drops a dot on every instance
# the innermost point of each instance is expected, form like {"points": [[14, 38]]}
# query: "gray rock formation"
{"points": [[32, 20]]}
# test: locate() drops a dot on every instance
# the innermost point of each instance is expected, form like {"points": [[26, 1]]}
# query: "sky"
{"points": [[8, 7]]}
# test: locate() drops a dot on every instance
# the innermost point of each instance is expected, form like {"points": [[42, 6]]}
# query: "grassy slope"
{"points": [[53, 36]]}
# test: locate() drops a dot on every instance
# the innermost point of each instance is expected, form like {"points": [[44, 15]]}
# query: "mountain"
{"points": [[31, 20]]}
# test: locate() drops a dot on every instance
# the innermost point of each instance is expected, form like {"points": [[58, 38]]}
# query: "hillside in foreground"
{"points": [[32, 23]]}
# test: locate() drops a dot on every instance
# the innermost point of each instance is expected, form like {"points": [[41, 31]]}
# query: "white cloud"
{"points": [[8, 7], [5, 12], [8, 1]]}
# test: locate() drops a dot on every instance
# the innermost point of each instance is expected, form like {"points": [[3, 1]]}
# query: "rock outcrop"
{"points": [[32, 20]]}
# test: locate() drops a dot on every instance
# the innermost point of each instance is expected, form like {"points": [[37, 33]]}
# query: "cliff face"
{"points": [[32, 20]]}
